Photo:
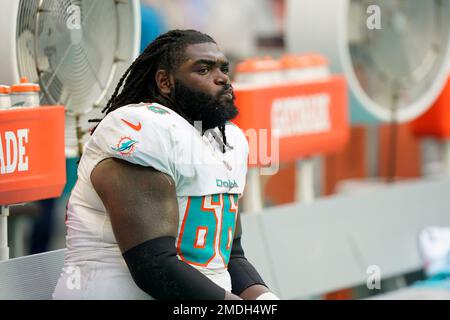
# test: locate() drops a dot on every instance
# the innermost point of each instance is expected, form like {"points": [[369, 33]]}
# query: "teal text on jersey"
{"points": [[226, 183]]}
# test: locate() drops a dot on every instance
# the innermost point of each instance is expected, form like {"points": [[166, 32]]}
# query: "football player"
{"points": [[154, 212]]}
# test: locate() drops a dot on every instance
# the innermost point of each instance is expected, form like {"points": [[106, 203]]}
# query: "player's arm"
{"points": [[245, 280], [143, 209]]}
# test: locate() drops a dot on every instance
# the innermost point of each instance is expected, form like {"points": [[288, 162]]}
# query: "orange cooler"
{"points": [[436, 120], [307, 118], [32, 160]]}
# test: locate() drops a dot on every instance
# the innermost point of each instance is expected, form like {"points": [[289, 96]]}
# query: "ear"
{"points": [[164, 81]]}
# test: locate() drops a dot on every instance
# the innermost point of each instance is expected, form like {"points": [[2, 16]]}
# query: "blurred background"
{"points": [[355, 96]]}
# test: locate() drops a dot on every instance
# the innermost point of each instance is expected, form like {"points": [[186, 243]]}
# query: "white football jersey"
{"points": [[208, 185]]}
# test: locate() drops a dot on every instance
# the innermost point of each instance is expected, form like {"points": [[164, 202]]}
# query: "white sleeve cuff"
{"points": [[268, 296]]}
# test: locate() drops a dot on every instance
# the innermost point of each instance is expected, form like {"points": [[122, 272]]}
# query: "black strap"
{"points": [[156, 269], [242, 272]]}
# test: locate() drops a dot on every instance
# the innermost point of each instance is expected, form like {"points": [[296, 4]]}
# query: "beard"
{"points": [[212, 111]]}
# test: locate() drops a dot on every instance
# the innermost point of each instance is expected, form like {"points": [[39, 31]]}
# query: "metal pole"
{"points": [[393, 135], [447, 157], [304, 181], [253, 198], [4, 249]]}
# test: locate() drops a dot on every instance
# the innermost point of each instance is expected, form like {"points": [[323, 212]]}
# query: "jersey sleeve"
{"points": [[136, 136]]}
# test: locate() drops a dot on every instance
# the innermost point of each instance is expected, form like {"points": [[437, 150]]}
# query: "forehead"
{"points": [[203, 51]]}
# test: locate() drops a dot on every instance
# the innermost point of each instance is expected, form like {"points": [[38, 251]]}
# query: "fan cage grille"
{"points": [[76, 56]]}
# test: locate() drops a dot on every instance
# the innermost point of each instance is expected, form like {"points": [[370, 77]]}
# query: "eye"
{"points": [[203, 70], [225, 70]]}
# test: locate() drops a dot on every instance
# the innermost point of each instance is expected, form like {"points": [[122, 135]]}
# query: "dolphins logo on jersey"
{"points": [[125, 146]]}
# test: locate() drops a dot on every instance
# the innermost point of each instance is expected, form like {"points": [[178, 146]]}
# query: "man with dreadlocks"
{"points": [[154, 213]]}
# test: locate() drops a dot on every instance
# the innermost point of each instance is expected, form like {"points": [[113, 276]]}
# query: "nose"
{"points": [[221, 78]]}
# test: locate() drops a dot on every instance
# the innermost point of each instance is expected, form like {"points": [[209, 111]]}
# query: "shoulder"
{"points": [[235, 135], [233, 129], [144, 119], [138, 133], [145, 115]]}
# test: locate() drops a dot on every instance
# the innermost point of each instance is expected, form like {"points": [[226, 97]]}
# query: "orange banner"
{"points": [[304, 119], [435, 121], [32, 159]]}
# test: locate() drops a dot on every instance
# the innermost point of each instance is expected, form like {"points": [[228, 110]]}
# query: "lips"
{"points": [[228, 94]]}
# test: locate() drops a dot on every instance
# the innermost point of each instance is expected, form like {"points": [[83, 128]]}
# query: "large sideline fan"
{"points": [[75, 49]]}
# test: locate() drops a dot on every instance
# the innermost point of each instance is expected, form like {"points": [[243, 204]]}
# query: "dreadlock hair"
{"points": [[166, 52]]}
